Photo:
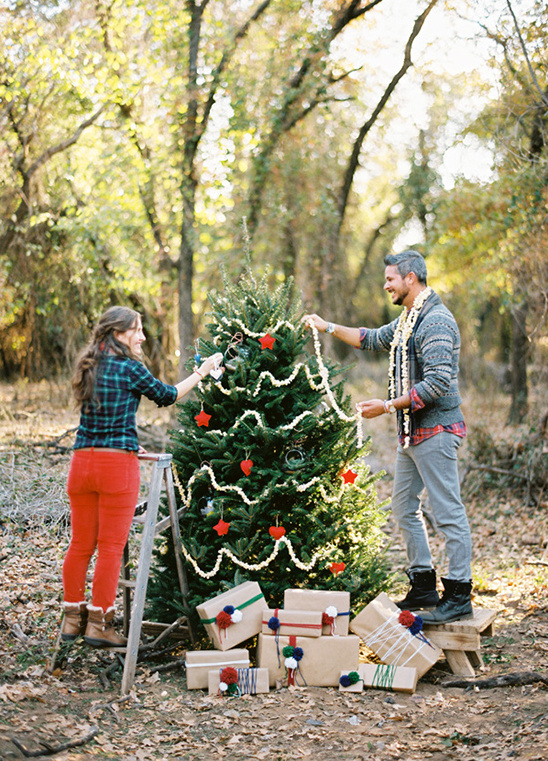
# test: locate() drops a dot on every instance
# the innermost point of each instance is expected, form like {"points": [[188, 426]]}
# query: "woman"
{"points": [[103, 481]]}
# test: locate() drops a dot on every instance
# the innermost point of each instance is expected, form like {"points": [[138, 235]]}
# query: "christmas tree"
{"points": [[270, 464]]}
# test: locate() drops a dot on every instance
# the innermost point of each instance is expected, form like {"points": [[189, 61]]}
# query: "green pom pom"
{"points": [[287, 652], [354, 677]]}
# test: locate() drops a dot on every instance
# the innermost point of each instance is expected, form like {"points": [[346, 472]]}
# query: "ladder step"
{"points": [[155, 629]]}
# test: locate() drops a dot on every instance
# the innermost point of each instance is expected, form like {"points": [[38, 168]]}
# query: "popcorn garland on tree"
{"points": [[348, 477]]}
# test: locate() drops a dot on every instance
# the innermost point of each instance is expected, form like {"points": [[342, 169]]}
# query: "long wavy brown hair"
{"points": [[115, 320]]}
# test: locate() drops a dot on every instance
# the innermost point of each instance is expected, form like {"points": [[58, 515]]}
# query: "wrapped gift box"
{"points": [[248, 603], [323, 658], [378, 625], [356, 687], [250, 681], [200, 662], [301, 623], [319, 599], [385, 677]]}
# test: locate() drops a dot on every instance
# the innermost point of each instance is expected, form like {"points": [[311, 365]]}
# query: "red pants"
{"points": [[103, 487]]}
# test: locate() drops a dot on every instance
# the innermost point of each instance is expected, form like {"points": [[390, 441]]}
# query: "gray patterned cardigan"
{"points": [[433, 362]]}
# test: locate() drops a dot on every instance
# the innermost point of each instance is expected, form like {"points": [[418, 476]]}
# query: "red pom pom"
{"points": [[223, 620], [406, 618], [327, 620], [229, 675]]}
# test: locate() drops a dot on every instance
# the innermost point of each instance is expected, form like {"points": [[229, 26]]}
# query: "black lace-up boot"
{"points": [[455, 603], [422, 593]]}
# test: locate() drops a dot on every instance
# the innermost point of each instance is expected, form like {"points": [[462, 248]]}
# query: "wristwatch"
{"points": [[330, 327], [389, 406]]}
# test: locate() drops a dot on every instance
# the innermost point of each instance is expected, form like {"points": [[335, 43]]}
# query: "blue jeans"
{"points": [[432, 464]]}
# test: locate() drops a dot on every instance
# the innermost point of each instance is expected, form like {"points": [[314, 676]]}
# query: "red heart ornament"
{"points": [[337, 568], [276, 531], [246, 466]]}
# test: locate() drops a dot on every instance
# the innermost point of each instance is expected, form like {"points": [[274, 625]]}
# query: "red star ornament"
{"points": [[221, 528], [202, 418], [349, 476], [267, 341]]}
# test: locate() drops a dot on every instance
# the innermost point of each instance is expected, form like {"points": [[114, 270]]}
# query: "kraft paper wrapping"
{"points": [[246, 598], [200, 662], [384, 677], [377, 625], [323, 658], [250, 681], [320, 599], [301, 623]]}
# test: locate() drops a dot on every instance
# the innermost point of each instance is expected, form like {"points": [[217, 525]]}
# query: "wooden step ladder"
{"points": [[161, 476]]}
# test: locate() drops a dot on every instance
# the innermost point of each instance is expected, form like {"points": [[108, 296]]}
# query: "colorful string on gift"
{"points": [[391, 629], [383, 678]]}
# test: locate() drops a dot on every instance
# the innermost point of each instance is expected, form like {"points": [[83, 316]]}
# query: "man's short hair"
{"points": [[406, 262]]}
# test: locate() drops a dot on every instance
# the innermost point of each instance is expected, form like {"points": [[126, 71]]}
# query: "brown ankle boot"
{"points": [[75, 618], [100, 630]]}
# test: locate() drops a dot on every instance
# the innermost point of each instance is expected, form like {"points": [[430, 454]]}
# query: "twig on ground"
{"points": [[502, 680], [19, 633], [51, 750], [171, 666]]}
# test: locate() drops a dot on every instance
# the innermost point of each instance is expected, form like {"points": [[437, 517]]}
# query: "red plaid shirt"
{"points": [[421, 434]]}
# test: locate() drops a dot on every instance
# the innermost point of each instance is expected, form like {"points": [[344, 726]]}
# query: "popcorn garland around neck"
{"points": [[404, 330]]}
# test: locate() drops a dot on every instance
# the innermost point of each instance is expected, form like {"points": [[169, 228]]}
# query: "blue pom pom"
{"points": [[274, 623], [229, 609], [345, 680], [416, 626], [298, 653]]}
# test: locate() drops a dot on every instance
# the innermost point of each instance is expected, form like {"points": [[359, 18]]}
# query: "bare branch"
{"points": [[225, 60], [354, 159], [60, 147], [543, 96]]}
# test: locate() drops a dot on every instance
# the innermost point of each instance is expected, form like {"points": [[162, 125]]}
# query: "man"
{"points": [[424, 346]]}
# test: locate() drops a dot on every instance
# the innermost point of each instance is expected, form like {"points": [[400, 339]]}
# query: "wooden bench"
{"points": [[461, 640]]}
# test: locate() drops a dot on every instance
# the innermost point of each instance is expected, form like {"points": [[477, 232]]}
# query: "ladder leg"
{"points": [[126, 591], [145, 556], [176, 534]]}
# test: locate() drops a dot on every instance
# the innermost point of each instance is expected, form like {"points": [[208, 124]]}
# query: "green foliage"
{"points": [[271, 407]]}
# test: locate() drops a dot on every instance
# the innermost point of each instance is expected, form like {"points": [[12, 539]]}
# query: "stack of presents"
{"points": [[312, 641]]}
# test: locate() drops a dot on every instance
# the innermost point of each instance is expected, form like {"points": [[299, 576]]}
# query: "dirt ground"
{"points": [[161, 719]]}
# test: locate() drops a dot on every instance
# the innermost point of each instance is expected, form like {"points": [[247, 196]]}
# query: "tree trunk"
{"points": [[518, 365]]}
